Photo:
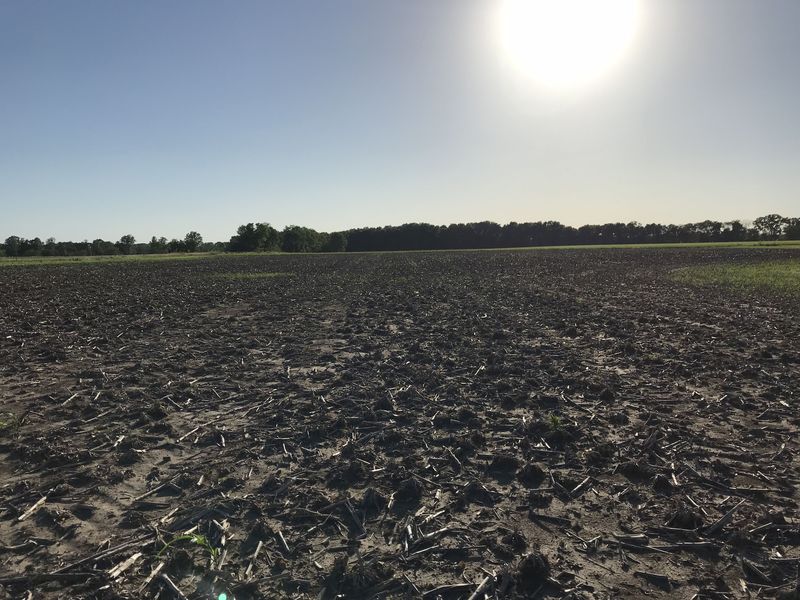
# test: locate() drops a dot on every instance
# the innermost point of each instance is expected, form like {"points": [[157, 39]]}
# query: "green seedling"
{"points": [[555, 422], [196, 539], [9, 423]]}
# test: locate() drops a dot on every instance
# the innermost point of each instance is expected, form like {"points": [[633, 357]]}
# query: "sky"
{"points": [[159, 117]]}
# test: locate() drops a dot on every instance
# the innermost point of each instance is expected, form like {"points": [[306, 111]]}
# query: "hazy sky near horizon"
{"points": [[156, 118]]}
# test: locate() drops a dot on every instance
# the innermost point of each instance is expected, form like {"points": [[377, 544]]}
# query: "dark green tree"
{"points": [[102, 247], [158, 245], [734, 232], [12, 245], [192, 241], [770, 226], [792, 230], [125, 243], [175, 245], [336, 242], [261, 237], [300, 239], [32, 247]]}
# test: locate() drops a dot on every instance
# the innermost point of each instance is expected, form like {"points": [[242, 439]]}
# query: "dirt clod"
{"points": [[532, 571]]}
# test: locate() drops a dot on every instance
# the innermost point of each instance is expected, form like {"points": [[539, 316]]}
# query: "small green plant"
{"points": [[196, 539], [9, 423], [555, 422]]}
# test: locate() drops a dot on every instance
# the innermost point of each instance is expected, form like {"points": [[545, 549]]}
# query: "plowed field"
{"points": [[549, 424]]}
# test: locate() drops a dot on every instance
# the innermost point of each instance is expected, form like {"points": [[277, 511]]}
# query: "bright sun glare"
{"points": [[563, 44]]}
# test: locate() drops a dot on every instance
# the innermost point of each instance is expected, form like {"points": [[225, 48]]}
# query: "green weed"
{"points": [[196, 539], [555, 422], [9, 423]]}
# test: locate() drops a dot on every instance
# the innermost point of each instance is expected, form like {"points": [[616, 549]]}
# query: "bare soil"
{"points": [[565, 424]]}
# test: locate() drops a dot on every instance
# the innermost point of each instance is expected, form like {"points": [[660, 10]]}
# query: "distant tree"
{"points": [[588, 234], [770, 226], [101, 247], [125, 243], [175, 245], [214, 247], [158, 245], [709, 231], [33, 247], [12, 245], [734, 232], [652, 232], [245, 239], [610, 233], [192, 241], [792, 230], [261, 237], [50, 247], [300, 239], [269, 238], [336, 242], [486, 234]]}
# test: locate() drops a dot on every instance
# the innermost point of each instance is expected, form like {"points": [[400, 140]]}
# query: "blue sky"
{"points": [[154, 118]]}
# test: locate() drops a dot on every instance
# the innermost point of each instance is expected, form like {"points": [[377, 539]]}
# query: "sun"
{"points": [[563, 44]]}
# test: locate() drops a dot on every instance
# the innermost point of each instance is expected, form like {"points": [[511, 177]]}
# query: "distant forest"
{"points": [[262, 237]]}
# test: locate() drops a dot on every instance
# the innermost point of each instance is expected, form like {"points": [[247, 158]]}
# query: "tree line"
{"points": [[255, 237], [127, 244], [423, 236], [262, 237]]}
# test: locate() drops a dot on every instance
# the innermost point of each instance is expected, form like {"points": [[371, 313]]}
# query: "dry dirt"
{"points": [[565, 424]]}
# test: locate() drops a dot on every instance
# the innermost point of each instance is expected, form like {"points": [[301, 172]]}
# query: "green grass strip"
{"points": [[81, 260], [779, 275]]}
